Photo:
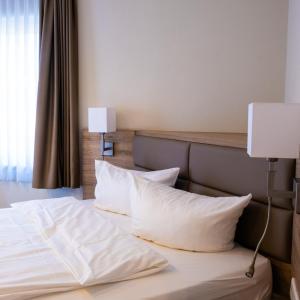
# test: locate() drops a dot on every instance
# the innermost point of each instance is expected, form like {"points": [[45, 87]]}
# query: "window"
{"points": [[19, 44]]}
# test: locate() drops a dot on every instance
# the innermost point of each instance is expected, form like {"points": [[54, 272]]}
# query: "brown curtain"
{"points": [[56, 152]]}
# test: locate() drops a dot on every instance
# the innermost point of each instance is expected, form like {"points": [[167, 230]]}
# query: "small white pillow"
{"points": [[184, 220], [114, 185]]}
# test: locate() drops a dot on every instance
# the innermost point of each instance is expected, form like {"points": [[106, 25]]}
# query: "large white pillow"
{"points": [[184, 220], [114, 185]]}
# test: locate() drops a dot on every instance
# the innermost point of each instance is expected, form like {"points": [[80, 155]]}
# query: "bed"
{"points": [[189, 275], [210, 170]]}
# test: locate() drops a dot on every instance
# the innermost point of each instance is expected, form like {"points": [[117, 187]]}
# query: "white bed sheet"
{"points": [[189, 276], [48, 246]]}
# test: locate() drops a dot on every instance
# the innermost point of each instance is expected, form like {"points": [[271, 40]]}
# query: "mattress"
{"points": [[190, 275]]}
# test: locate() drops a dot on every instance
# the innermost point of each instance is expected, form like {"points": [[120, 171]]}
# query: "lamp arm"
{"points": [[296, 202], [271, 192], [270, 183]]}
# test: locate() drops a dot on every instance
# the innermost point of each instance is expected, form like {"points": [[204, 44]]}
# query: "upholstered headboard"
{"points": [[218, 170]]}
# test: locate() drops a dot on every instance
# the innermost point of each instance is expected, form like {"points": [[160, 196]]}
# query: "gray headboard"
{"points": [[217, 170]]}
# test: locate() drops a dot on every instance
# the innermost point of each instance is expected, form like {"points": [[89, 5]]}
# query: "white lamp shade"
{"points": [[273, 130], [102, 119]]}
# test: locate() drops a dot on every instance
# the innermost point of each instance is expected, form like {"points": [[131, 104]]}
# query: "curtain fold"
{"points": [[19, 57], [56, 151]]}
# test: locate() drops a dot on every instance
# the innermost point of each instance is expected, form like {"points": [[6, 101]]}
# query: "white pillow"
{"points": [[114, 185], [184, 220]]}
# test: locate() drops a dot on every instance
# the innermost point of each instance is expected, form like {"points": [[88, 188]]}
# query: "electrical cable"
{"points": [[251, 269], [270, 181]]}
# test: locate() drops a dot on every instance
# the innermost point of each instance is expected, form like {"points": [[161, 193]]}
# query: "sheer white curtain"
{"points": [[19, 44]]}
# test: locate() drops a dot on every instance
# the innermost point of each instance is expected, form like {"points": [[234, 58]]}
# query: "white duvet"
{"points": [[61, 244]]}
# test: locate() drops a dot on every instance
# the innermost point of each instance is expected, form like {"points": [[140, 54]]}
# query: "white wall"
{"points": [[292, 91], [181, 64], [178, 65]]}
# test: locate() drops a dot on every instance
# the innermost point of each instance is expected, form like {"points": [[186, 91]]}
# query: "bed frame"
{"points": [[216, 166]]}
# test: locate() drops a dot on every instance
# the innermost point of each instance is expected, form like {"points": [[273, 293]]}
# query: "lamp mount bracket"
{"points": [[294, 194], [106, 147]]}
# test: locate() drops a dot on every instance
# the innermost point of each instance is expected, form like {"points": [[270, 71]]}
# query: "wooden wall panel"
{"points": [[236, 140], [282, 275]]}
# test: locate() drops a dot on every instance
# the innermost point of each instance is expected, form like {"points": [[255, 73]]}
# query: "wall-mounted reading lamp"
{"points": [[273, 132], [103, 120]]}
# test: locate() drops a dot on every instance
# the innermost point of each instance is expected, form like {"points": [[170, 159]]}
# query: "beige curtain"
{"points": [[56, 156]]}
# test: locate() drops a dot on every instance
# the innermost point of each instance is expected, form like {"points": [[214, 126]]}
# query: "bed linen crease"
{"points": [[60, 244]]}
